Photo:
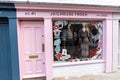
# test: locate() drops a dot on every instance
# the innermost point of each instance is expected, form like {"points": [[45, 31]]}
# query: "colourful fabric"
{"points": [[57, 42]]}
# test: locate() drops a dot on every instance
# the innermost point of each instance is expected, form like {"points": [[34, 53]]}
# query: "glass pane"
{"points": [[77, 40]]}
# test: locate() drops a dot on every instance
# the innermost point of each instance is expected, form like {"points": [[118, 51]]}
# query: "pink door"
{"points": [[32, 54]]}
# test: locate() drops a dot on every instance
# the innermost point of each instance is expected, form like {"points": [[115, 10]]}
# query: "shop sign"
{"points": [[69, 14]]}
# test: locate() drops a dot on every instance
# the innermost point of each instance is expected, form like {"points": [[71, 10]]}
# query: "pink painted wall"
{"points": [[48, 12], [108, 44]]}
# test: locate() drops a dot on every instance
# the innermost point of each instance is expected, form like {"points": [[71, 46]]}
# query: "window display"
{"points": [[77, 40]]}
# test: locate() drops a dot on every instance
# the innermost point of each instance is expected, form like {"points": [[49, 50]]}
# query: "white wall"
{"points": [[116, 18], [78, 70], [91, 2], [119, 45]]}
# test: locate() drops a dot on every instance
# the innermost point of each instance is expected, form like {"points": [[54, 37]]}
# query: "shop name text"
{"points": [[69, 14]]}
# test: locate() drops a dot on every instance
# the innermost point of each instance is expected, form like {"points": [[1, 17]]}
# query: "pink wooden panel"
{"points": [[38, 41], [108, 44], [28, 67], [48, 48], [39, 68], [28, 43], [27, 39], [32, 45]]}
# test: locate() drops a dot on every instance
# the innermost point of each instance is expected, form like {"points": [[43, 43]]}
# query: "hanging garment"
{"points": [[70, 34], [94, 30], [83, 35], [85, 48], [64, 34], [83, 29], [94, 42]]}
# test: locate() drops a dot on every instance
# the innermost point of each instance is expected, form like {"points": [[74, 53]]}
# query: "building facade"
{"points": [[116, 41], [9, 65], [57, 40]]}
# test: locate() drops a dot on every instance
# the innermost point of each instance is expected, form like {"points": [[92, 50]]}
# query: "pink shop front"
{"points": [[63, 40]]}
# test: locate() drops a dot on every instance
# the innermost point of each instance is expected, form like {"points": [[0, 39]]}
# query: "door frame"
{"points": [[118, 46], [20, 48]]}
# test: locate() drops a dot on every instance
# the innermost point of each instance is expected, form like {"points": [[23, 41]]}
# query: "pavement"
{"points": [[99, 76]]}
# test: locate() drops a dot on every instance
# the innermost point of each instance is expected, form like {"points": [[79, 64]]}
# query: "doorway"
{"points": [[31, 55], [5, 51]]}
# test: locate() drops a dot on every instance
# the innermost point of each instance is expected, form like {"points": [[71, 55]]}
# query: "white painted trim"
{"points": [[58, 64], [34, 76], [116, 17], [85, 2]]}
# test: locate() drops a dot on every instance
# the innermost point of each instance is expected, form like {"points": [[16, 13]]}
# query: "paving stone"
{"points": [[101, 76]]}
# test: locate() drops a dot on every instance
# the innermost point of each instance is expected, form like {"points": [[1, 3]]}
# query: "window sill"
{"points": [[60, 64]]}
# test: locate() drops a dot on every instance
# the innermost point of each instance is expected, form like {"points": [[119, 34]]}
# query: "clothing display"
{"points": [[57, 49], [57, 33], [85, 48], [79, 41], [57, 42]]}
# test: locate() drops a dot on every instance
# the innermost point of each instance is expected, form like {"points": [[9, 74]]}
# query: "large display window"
{"points": [[77, 40]]}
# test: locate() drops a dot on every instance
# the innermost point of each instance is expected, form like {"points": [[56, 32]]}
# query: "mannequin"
{"points": [[67, 38], [70, 34], [84, 40]]}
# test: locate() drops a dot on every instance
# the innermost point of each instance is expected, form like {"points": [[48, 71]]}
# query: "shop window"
{"points": [[77, 40]]}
